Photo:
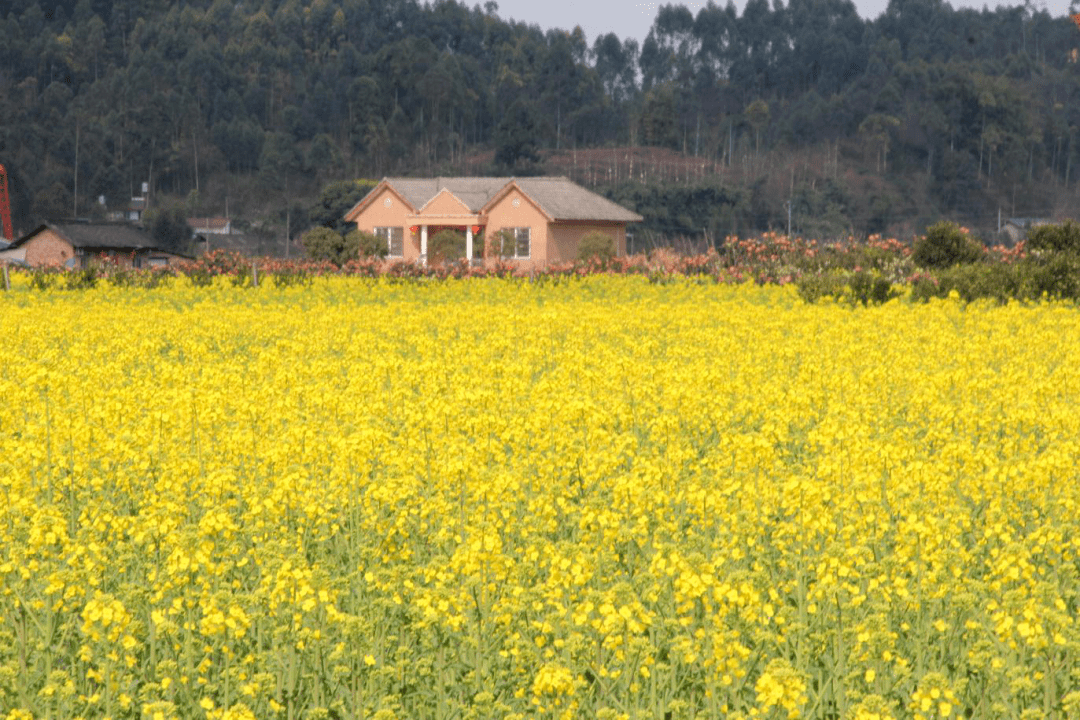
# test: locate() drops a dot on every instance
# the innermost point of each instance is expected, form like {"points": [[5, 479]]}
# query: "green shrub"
{"points": [[200, 275], [1063, 238], [865, 287], [945, 245], [446, 245], [596, 245], [870, 288], [45, 277], [1056, 276], [925, 286], [996, 281], [243, 276], [853, 257], [815, 286], [82, 278], [360, 244], [322, 243]]}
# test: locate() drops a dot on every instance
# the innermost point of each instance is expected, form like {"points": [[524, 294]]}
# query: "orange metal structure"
{"points": [[5, 207]]}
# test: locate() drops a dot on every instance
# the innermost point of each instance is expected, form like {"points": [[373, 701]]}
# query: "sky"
{"points": [[633, 18]]}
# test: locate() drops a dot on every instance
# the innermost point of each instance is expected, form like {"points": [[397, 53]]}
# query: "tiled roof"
{"points": [[97, 235], [559, 197], [475, 192], [105, 235], [563, 199]]}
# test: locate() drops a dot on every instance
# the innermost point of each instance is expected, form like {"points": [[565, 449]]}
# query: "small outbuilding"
{"points": [[1017, 228], [79, 244]]}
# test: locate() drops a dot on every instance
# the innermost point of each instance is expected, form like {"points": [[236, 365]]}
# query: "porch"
{"points": [[427, 226]]}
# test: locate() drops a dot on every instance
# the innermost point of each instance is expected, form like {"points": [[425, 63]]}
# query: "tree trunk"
{"points": [[75, 195], [195, 147], [1068, 162], [730, 141], [558, 126]]}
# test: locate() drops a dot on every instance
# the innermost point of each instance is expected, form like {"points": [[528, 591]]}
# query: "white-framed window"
{"points": [[394, 238], [512, 243], [522, 242]]}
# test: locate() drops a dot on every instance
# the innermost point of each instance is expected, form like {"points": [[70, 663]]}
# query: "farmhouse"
{"points": [[545, 216], [78, 244]]}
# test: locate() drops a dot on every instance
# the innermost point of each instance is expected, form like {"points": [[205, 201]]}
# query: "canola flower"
{"points": [[492, 498]]}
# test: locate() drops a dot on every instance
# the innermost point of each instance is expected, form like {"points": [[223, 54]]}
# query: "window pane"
{"points": [[522, 237], [394, 237]]}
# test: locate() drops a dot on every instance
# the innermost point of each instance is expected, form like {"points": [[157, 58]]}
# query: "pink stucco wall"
{"points": [[564, 238], [381, 214], [504, 214]]}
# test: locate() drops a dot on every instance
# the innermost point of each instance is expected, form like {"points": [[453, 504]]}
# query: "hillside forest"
{"points": [[793, 114]]}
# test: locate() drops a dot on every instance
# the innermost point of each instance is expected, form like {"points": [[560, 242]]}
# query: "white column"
{"points": [[468, 243], [423, 244]]}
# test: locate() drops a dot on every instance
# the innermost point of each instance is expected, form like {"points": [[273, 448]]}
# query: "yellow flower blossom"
{"points": [[363, 498]]}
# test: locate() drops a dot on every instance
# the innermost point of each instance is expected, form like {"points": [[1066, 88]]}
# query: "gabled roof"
{"points": [[475, 192], [557, 197], [449, 194], [365, 201], [562, 199], [96, 235]]}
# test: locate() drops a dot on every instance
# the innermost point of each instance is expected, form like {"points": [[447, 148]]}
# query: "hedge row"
{"points": [[943, 261]]}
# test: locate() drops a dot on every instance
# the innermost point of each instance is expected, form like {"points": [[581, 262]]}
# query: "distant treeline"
{"points": [[98, 96]]}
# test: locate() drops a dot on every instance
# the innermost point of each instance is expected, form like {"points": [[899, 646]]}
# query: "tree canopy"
{"points": [[98, 97]]}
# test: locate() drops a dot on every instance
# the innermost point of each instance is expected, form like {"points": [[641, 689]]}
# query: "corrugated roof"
{"points": [[559, 197]]}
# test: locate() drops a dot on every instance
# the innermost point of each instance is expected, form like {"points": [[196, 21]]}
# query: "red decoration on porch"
{"points": [[475, 229], [414, 228]]}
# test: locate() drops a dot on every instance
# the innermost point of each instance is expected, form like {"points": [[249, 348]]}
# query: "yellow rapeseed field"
{"points": [[497, 499]]}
